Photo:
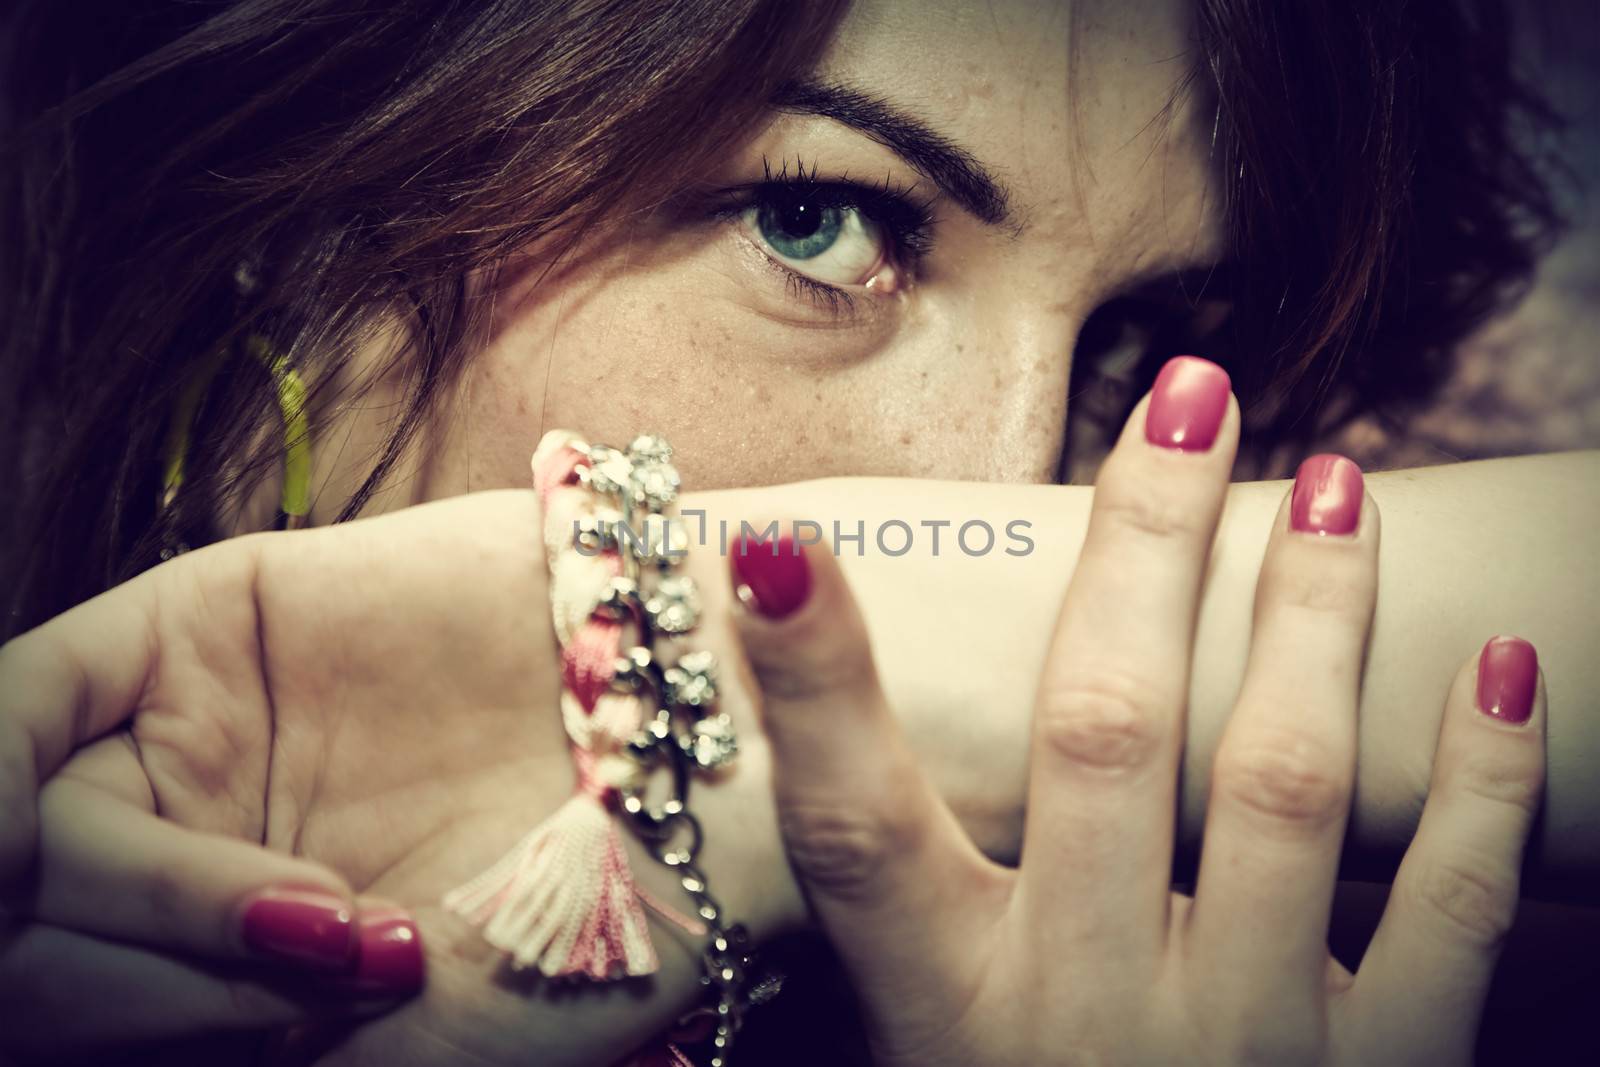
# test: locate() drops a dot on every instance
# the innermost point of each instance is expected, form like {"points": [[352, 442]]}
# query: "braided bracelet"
{"points": [[563, 899]]}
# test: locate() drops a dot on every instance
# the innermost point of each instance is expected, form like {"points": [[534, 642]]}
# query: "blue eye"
{"points": [[799, 230], [828, 242]]}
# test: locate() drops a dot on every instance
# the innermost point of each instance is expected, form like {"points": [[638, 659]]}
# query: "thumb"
{"points": [[880, 856]]}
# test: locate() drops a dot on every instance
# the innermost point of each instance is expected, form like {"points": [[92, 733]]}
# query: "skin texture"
{"points": [[680, 322], [953, 955], [960, 373], [288, 689]]}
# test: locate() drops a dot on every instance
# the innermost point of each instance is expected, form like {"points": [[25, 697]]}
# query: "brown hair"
{"points": [[1382, 193], [361, 157], [1384, 176], [366, 156]]}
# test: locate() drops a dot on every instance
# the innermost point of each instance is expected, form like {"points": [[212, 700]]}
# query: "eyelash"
{"points": [[907, 219]]}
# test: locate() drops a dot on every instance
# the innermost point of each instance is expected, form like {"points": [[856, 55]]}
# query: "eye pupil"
{"points": [[800, 219], [797, 227]]}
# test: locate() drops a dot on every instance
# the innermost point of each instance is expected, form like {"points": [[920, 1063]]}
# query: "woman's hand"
{"points": [[375, 704], [1084, 954]]}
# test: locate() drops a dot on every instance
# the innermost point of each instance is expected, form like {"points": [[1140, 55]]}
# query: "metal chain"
{"points": [[685, 736]]}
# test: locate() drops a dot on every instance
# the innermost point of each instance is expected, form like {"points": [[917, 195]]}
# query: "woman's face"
{"points": [[954, 192]]}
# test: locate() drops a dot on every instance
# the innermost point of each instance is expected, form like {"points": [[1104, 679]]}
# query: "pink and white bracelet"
{"points": [[563, 899]]}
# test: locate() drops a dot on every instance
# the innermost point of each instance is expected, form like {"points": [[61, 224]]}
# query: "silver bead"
{"points": [[654, 484], [674, 606], [691, 682], [661, 539], [712, 742], [609, 472], [649, 447]]}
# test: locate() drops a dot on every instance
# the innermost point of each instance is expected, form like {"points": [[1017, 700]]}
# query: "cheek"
{"points": [[620, 356], [617, 362]]}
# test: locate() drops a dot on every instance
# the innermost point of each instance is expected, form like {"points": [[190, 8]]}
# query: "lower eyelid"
{"points": [[851, 292], [858, 310]]}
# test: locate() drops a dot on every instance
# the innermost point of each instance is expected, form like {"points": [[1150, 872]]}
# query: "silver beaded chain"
{"points": [[687, 735]]}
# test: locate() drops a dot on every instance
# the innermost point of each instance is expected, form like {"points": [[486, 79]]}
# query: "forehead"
{"points": [[1065, 102]]}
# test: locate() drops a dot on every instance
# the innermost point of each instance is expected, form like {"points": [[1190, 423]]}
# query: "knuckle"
{"points": [[824, 653], [1286, 778], [1108, 723], [811, 678], [1474, 904], [247, 1003], [841, 850], [1516, 784], [1322, 591], [1148, 509], [167, 906], [31, 664]]}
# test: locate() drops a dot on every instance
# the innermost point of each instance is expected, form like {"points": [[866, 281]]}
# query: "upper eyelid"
{"points": [[912, 220], [909, 219]]}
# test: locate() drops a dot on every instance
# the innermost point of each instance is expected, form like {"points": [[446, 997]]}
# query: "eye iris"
{"points": [[798, 229]]}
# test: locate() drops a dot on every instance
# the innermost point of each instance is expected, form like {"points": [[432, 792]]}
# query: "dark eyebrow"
{"points": [[925, 151]]}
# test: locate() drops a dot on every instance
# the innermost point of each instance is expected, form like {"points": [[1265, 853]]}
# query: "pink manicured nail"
{"points": [[1327, 496], [771, 578], [1508, 674], [389, 961], [1187, 404], [305, 926]]}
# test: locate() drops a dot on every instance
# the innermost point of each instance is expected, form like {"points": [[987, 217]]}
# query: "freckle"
{"points": [[661, 307], [817, 395], [905, 438], [923, 375], [960, 348]]}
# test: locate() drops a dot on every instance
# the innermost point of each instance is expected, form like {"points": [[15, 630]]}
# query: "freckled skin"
{"points": [[961, 373]]}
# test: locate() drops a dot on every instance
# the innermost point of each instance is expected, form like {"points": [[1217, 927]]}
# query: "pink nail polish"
{"points": [[1327, 496], [389, 962], [771, 578], [303, 926], [1508, 675], [1187, 404]]}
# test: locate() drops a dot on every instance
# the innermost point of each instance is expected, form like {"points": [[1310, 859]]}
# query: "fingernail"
{"points": [[772, 578], [1327, 496], [1508, 674], [389, 958], [1187, 404], [306, 926]]}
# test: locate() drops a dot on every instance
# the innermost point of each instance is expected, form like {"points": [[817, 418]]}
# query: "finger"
{"points": [[67, 994], [881, 857], [1108, 724], [78, 676], [117, 870], [1285, 769], [1426, 973]]}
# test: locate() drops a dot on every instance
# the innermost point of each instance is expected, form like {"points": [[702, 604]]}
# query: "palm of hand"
{"points": [[382, 704]]}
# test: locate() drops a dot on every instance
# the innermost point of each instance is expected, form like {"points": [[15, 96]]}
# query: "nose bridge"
{"points": [[1028, 345]]}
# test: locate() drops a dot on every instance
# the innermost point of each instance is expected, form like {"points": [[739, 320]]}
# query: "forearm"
{"points": [[1468, 551]]}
